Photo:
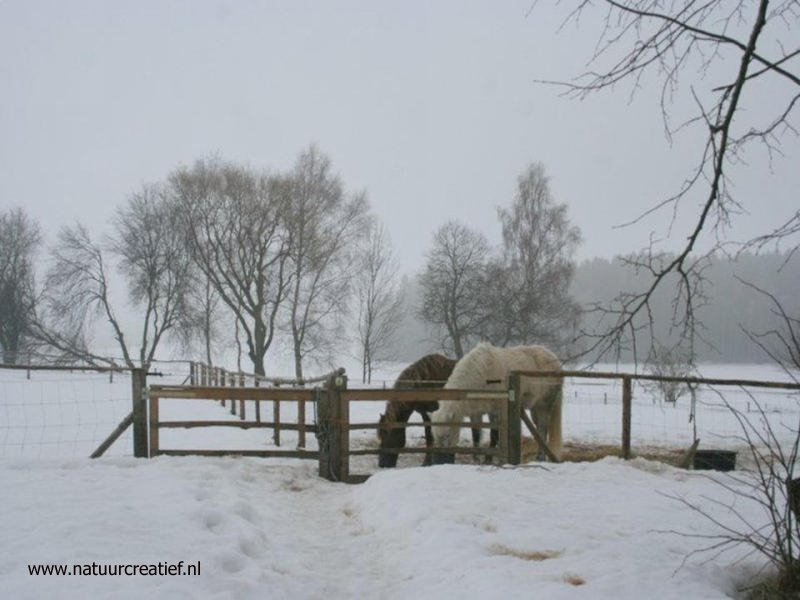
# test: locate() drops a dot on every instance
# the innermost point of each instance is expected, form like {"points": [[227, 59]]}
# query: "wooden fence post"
{"points": [[233, 379], [344, 428], [153, 422], [514, 420], [139, 412], [626, 417], [328, 434], [276, 419], [301, 423]]}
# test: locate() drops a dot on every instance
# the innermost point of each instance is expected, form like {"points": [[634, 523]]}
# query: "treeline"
{"points": [[229, 262], [737, 304], [738, 308], [217, 254]]}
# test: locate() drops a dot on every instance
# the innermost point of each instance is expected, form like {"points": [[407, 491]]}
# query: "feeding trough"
{"points": [[715, 460]]}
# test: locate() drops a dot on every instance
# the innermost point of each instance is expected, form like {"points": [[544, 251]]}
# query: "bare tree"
{"points": [[748, 45], [666, 361], [770, 482], [153, 263], [530, 282], [380, 301], [20, 239], [232, 222], [780, 343], [204, 316], [453, 285], [324, 225]]}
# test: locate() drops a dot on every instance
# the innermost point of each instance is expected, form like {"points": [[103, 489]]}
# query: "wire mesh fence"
{"points": [[710, 413], [54, 411], [61, 413]]}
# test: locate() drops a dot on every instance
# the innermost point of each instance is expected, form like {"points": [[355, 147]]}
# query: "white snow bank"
{"points": [[273, 529]]}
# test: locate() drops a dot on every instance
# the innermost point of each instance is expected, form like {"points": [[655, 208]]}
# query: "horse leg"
{"points": [[428, 438], [494, 435], [476, 419]]}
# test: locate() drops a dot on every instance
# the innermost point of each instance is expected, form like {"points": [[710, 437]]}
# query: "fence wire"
{"points": [[61, 413]]}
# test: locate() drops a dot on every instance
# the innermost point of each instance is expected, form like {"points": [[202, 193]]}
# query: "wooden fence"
{"points": [[333, 424], [237, 397]]}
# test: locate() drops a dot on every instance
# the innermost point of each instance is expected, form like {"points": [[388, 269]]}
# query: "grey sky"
{"points": [[430, 106]]}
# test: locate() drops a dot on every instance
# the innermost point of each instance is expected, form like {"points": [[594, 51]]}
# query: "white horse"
{"points": [[487, 367]]}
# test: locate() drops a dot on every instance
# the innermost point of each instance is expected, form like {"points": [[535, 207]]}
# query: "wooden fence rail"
{"points": [[333, 425], [237, 396]]}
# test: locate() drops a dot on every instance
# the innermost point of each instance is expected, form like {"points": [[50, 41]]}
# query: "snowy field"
{"points": [[270, 528]]}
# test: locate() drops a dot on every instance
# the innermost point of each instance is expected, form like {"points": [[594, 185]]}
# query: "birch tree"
{"points": [[379, 300], [233, 221], [528, 285], [324, 225]]}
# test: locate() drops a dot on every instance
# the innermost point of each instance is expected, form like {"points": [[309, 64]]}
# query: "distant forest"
{"points": [[730, 307]]}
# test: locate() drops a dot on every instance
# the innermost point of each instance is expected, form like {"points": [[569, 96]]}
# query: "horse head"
{"points": [[390, 437]]}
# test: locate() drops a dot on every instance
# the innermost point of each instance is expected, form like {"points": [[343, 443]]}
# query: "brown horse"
{"points": [[430, 371]]}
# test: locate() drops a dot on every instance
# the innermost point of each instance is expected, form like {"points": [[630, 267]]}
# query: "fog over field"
{"points": [[280, 189]]}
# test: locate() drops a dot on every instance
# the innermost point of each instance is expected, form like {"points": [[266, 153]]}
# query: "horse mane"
{"points": [[487, 366], [430, 371], [473, 369]]}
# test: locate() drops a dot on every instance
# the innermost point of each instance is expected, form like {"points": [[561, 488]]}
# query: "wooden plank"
{"points": [[139, 413], [118, 431], [513, 419], [344, 432], [327, 407], [397, 424], [216, 393], [537, 436], [276, 417], [153, 429], [454, 450], [366, 395], [81, 368], [234, 424], [626, 417], [784, 385], [301, 422], [309, 454], [506, 413]]}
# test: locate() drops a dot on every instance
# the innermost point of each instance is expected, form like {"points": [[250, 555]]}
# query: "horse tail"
{"points": [[554, 427]]}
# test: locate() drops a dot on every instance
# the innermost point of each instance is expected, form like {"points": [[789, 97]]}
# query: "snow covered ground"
{"points": [[273, 529]]}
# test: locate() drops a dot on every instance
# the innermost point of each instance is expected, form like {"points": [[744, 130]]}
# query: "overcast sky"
{"points": [[431, 107]]}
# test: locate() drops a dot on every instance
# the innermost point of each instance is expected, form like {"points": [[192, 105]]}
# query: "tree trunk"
{"points": [[298, 362]]}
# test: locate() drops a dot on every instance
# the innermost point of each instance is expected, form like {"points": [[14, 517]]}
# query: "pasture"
{"points": [[57, 414], [272, 527]]}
